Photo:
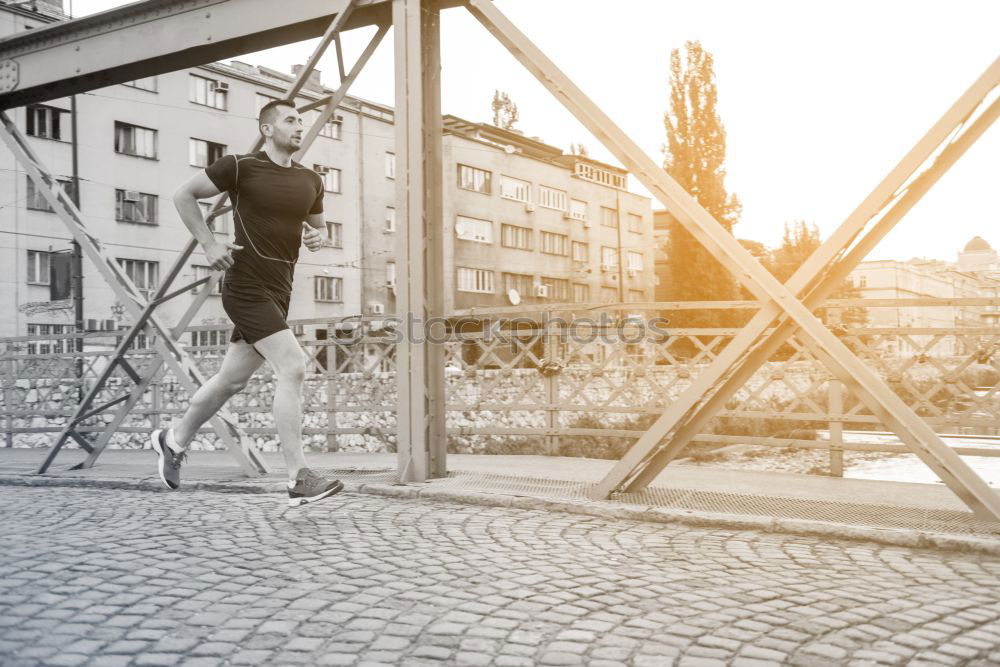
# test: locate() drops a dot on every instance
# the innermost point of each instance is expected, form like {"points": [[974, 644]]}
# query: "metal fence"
{"points": [[572, 387]]}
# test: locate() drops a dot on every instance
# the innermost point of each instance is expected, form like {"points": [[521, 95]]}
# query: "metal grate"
{"points": [[716, 502]]}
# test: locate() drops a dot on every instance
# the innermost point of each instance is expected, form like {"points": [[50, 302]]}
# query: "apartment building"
{"points": [[526, 224], [975, 274], [136, 143]]}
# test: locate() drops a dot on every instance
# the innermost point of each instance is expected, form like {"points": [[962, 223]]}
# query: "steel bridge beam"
{"points": [[158, 36]]}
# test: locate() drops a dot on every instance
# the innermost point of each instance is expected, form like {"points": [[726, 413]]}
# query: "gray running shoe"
{"points": [[170, 461], [310, 487]]}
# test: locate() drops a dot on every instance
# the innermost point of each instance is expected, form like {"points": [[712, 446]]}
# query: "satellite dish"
{"points": [[460, 228], [514, 297], [509, 149]]}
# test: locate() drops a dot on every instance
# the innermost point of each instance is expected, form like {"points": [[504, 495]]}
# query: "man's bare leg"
{"points": [[171, 444], [282, 351], [239, 364]]}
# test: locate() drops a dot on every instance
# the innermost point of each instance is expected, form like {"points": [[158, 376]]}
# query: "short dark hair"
{"points": [[268, 112]]}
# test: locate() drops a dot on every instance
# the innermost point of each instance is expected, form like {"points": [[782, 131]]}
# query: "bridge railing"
{"points": [[520, 382]]}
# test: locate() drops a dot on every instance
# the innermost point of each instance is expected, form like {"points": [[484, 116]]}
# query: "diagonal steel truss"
{"points": [[782, 302], [170, 352]]}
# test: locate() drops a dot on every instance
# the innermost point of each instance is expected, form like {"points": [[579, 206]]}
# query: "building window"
{"points": [[551, 198], [328, 288], [581, 292], [220, 224], [581, 251], [36, 201], [202, 153], [58, 346], [147, 83], [135, 140], [520, 282], [862, 281], [262, 99], [555, 244], [475, 280], [332, 129], [636, 295], [144, 274], [335, 235], [390, 219], [330, 176], [47, 122], [512, 236], [609, 295], [390, 274], [202, 271], [207, 92], [210, 338], [477, 180], [609, 258], [132, 206], [474, 229], [516, 189], [557, 287], [634, 223], [390, 165], [38, 267], [635, 262], [609, 217], [577, 209]]}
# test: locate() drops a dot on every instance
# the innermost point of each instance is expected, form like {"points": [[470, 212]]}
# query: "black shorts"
{"points": [[256, 312]]}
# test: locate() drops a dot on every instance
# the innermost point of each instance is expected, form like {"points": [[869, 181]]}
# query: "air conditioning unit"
{"points": [[221, 85], [132, 195], [376, 308], [298, 329], [92, 325], [109, 325], [338, 118], [632, 273], [567, 216], [607, 268], [530, 208], [541, 291], [586, 224], [391, 284]]}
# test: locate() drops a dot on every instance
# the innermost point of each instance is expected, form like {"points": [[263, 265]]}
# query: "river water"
{"points": [[909, 468]]}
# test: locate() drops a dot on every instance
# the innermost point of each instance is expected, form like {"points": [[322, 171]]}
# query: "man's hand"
{"points": [[312, 238], [218, 257]]}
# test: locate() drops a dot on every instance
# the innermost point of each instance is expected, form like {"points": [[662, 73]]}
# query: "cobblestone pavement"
{"points": [[116, 577]]}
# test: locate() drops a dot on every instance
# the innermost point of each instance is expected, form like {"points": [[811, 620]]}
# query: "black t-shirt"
{"points": [[270, 202]]}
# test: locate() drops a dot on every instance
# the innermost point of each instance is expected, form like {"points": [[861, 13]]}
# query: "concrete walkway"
{"points": [[923, 515]]}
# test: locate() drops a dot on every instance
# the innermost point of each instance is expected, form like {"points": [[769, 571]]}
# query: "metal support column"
{"points": [[420, 431]]}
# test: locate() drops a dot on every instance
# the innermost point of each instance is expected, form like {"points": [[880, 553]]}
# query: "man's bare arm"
{"points": [[200, 186]]}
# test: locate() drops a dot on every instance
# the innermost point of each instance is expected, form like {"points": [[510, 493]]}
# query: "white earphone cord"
{"points": [[239, 218]]}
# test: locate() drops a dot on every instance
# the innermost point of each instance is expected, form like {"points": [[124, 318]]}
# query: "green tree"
{"points": [[504, 111], [695, 156], [798, 242]]}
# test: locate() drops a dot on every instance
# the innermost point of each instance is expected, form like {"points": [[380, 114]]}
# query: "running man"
{"points": [[271, 196]]}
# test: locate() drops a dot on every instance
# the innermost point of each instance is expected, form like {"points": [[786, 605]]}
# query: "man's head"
{"points": [[279, 123]]}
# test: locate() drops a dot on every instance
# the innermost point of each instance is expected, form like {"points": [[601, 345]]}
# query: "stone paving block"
{"points": [[513, 661], [158, 659], [67, 659], [432, 652]]}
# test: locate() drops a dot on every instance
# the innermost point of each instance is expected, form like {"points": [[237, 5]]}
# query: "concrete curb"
{"points": [[901, 537]]}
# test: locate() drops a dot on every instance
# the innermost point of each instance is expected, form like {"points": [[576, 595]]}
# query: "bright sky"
{"points": [[820, 99]]}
